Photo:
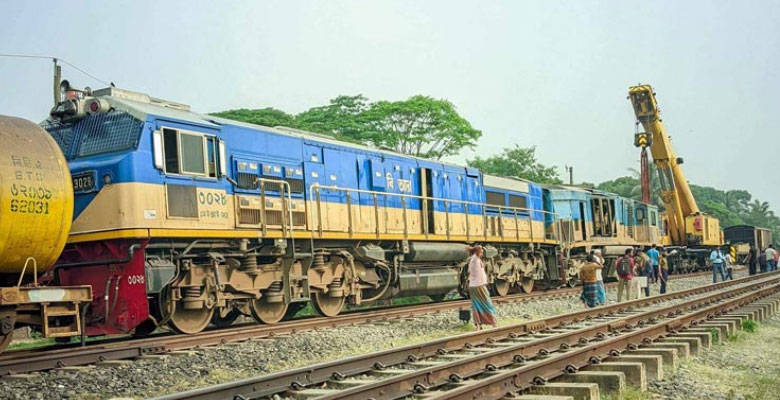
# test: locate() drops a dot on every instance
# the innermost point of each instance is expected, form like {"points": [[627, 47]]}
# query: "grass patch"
{"points": [[30, 344], [749, 326]]}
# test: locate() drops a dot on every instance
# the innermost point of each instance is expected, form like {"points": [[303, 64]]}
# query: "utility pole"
{"points": [[57, 79]]}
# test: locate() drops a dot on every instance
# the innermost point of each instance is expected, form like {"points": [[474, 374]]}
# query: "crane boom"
{"points": [[686, 225]]}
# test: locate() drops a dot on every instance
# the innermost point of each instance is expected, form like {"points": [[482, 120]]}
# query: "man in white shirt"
{"points": [[717, 259]]}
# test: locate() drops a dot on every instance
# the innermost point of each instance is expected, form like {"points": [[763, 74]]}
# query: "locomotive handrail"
{"points": [[315, 197], [285, 207]]}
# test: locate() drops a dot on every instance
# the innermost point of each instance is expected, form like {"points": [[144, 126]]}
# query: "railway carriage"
{"points": [[740, 237], [591, 219], [187, 219]]}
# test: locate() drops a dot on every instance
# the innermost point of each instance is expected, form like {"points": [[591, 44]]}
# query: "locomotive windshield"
{"points": [[96, 134]]}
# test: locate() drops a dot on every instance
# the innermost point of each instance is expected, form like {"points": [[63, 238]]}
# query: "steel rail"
{"points": [[518, 379], [44, 358], [455, 371], [312, 375]]}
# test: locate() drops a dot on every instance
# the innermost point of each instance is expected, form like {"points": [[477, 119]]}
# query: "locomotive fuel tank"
{"points": [[36, 197], [436, 251]]}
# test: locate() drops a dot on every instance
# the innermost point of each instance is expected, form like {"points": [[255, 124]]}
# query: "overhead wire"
{"points": [[56, 59]]}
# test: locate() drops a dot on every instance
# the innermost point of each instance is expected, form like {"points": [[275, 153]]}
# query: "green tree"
{"points": [[264, 116], [420, 126], [342, 118], [623, 186], [517, 162]]}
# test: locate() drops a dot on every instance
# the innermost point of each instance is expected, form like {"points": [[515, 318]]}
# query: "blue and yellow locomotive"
{"points": [[187, 219]]}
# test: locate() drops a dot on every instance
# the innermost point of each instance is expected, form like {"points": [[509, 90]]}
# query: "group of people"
{"points": [[767, 261], [652, 265]]}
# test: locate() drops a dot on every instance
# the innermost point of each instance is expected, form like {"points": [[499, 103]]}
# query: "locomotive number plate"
{"points": [[83, 181]]}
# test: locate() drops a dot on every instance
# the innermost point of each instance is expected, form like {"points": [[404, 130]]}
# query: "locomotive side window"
{"points": [[211, 157], [171, 139], [190, 153], [495, 199], [517, 201]]}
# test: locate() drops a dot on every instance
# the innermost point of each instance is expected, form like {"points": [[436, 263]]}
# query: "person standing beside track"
{"points": [[729, 264], [625, 271], [717, 259], [654, 255], [762, 262], [663, 269], [482, 308], [771, 258], [590, 285], [599, 276], [643, 269], [752, 259]]}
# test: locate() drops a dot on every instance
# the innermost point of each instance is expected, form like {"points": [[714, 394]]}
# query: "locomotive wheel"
{"points": [[527, 285], [225, 316], [188, 321], [327, 306], [267, 313], [501, 287]]}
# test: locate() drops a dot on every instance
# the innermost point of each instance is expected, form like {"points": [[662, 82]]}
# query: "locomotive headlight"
{"points": [[95, 105], [107, 179]]}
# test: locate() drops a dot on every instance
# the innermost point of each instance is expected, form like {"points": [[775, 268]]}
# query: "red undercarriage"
{"points": [[119, 301]]}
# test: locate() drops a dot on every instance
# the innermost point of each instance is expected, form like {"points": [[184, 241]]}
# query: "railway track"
{"points": [[45, 358], [492, 363]]}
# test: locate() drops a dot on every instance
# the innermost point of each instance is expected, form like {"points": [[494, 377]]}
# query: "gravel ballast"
{"points": [[147, 378], [744, 367]]}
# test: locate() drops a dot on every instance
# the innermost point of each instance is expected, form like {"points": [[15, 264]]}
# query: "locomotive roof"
{"points": [[141, 105]]}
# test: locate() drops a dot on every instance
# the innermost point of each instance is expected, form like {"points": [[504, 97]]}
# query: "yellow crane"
{"points": [[686, 225]]}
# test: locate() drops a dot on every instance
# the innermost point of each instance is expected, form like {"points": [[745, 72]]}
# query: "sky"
{"points": [[548, 74]]}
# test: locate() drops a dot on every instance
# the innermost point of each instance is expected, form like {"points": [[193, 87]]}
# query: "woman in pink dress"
{"points": [[482, 308]]}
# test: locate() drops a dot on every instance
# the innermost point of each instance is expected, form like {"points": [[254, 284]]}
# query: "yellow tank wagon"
{"points": [[36, 209]]}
